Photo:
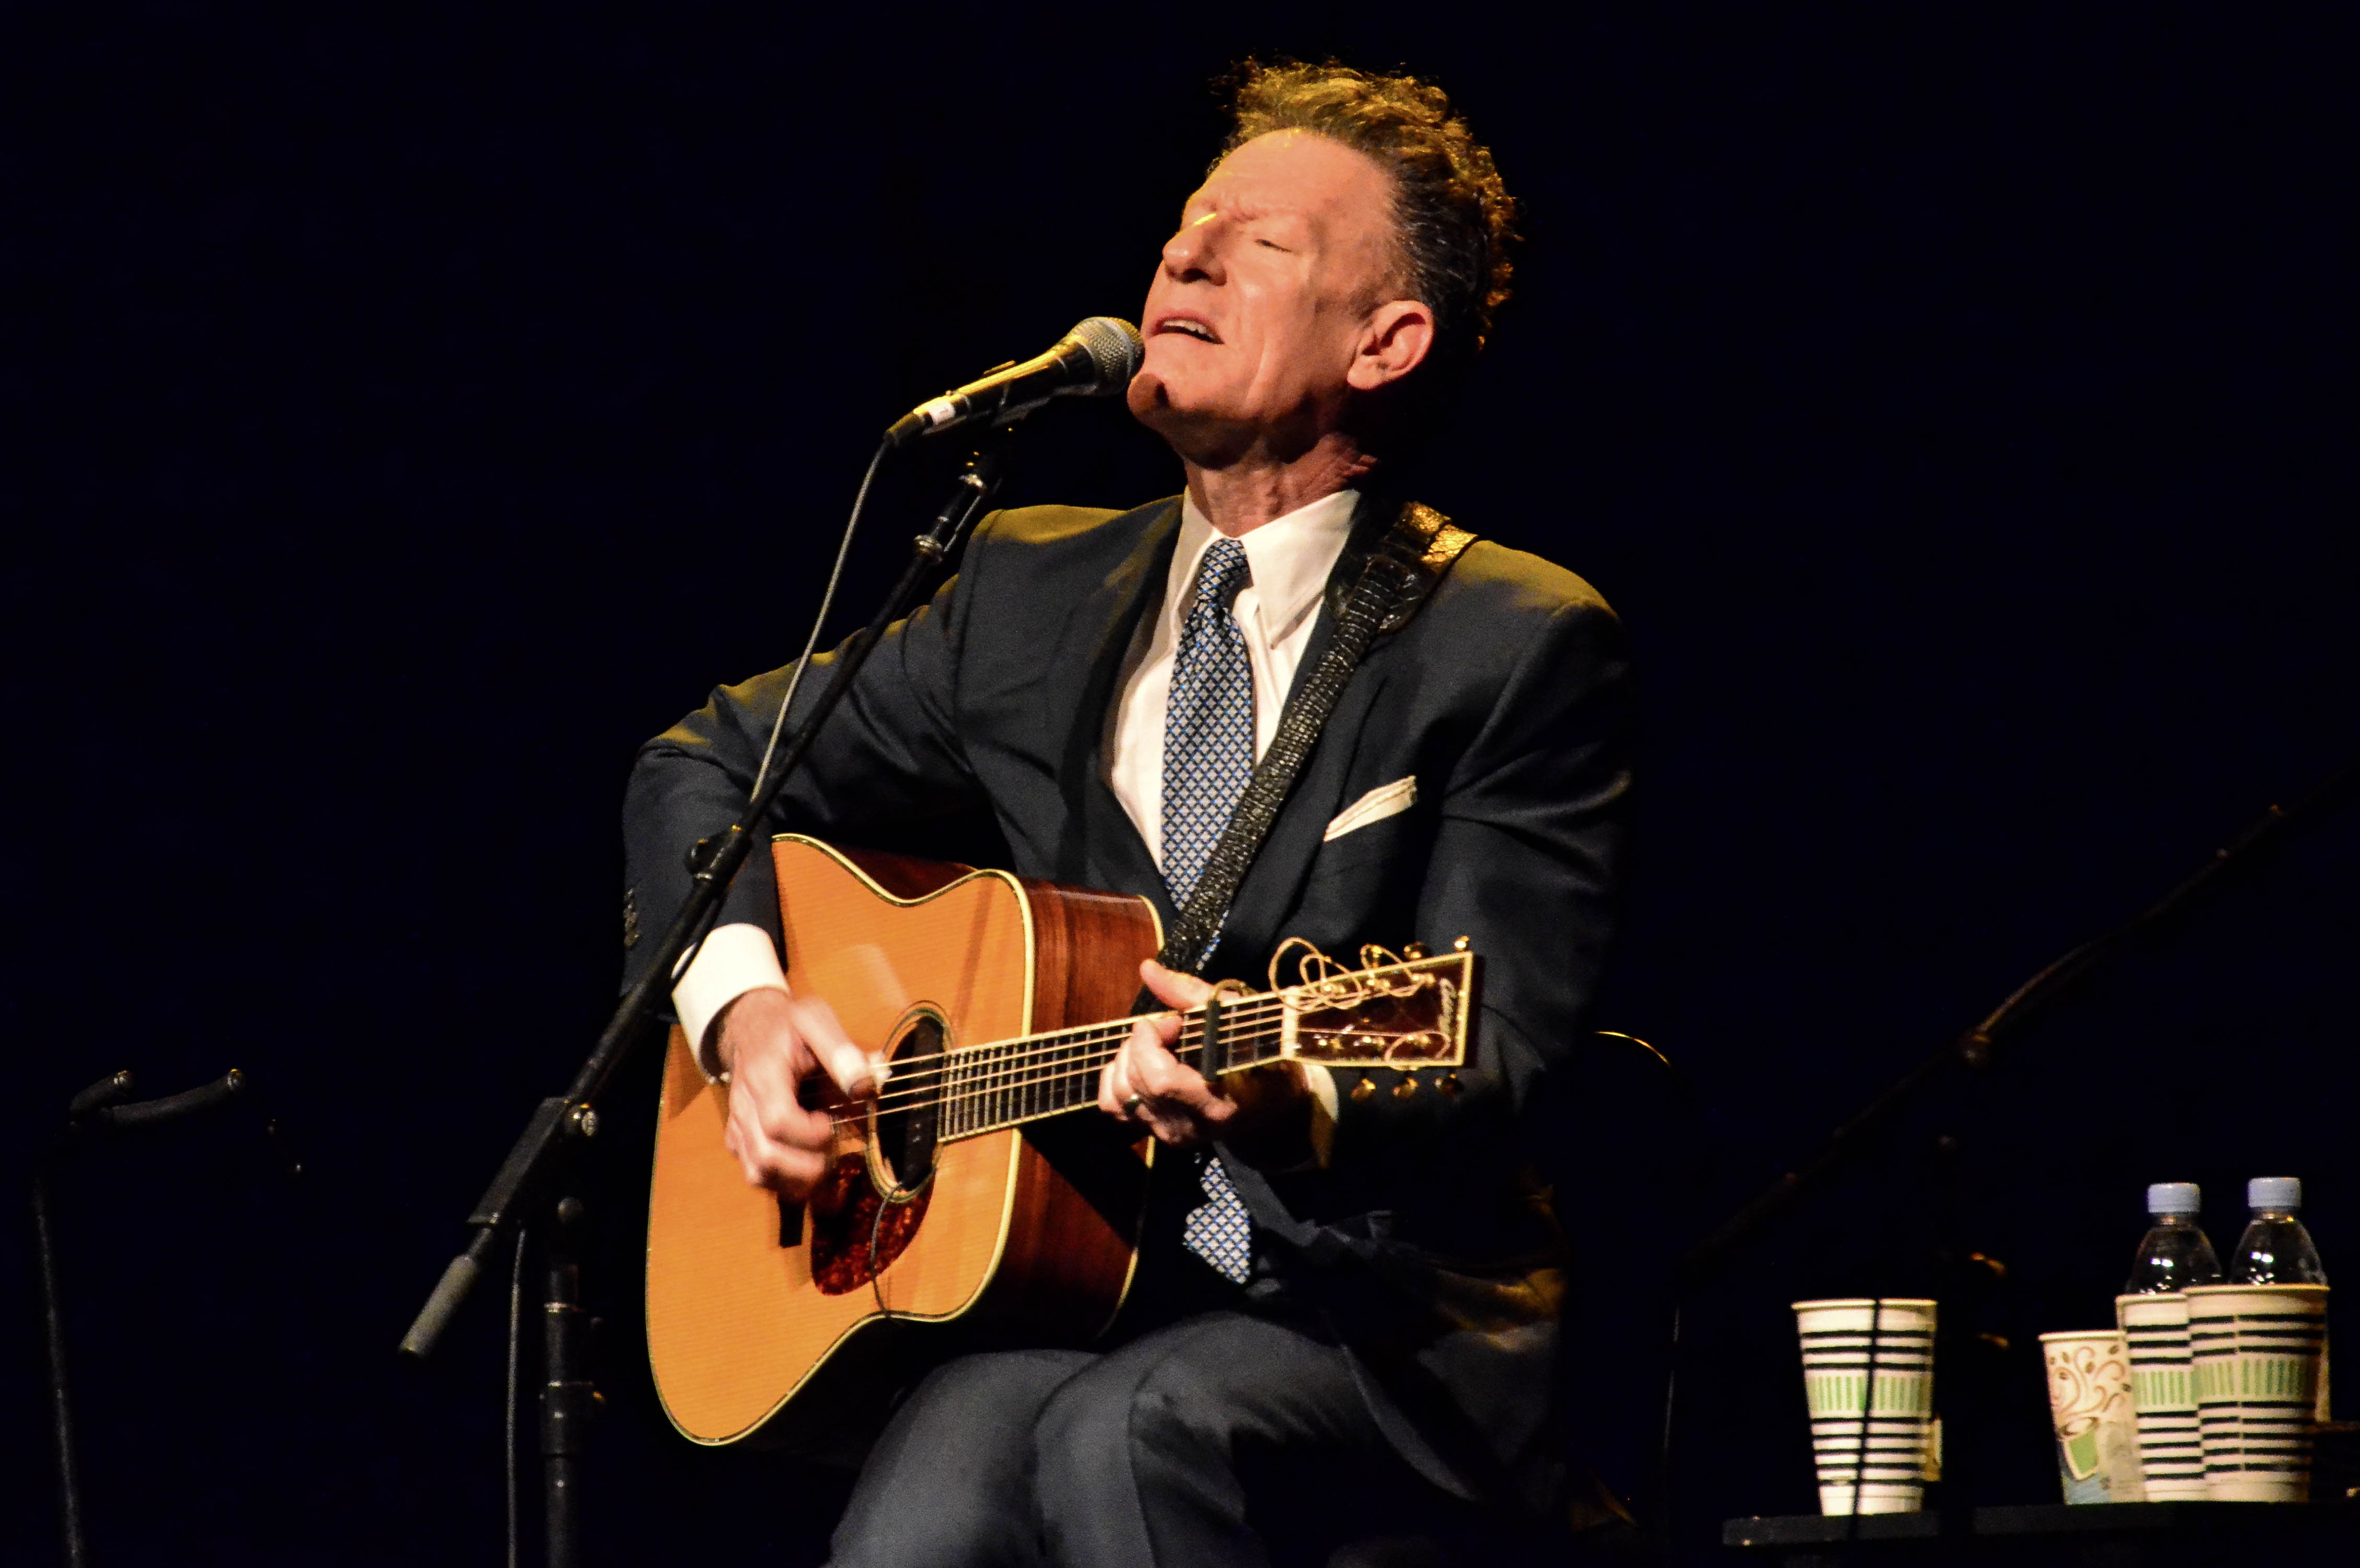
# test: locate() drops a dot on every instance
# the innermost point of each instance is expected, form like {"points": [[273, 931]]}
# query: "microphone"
{"points": [[1098, 356]]}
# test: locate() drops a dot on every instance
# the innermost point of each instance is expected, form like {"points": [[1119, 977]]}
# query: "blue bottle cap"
{"points": [[2174, 1198], [2281, 1195]]}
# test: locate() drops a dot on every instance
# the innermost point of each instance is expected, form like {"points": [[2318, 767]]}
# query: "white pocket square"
{"points": [[1384, 800]]}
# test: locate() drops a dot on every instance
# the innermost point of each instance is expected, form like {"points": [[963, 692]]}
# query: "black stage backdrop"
{"points": [[409, 415]]}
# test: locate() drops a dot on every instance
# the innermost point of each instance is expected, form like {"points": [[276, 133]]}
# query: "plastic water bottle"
{"points": [[2276, 1250], [2176, 1253]]}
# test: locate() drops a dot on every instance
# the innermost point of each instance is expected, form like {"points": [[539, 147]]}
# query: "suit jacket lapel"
{"points": [[1277, 874], [1102, 847]]}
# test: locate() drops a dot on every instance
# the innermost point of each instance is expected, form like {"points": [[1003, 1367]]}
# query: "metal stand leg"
{"points": [[97, 1111], [77, 1552], [566, 1395]]}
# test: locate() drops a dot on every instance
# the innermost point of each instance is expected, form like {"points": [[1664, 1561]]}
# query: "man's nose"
{"points": [[1195, 250]]}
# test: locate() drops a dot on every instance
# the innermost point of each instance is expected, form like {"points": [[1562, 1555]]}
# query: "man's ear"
{"points": [[1398, 337]]}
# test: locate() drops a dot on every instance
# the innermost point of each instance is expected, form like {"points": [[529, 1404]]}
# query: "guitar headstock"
{"points": [[1407, 1013]]}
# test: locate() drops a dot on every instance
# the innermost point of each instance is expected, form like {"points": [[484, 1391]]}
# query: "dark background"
{"points": [[408, 414]]}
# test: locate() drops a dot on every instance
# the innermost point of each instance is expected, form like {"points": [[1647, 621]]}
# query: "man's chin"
{"points": [[1201, 436]]}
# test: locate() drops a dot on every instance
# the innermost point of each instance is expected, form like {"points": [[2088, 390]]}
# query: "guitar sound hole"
{"points": [[903, 1147], [867, 1212]]}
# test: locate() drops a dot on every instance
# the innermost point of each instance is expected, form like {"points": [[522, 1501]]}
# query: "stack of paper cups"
{"points": [[2163, 1387], [2255, 1350], [1868, 1373]]}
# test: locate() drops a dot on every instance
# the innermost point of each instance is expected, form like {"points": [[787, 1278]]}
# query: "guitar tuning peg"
{"points": [[1405, 1088], [1462, 944], [1414, 952], [1450, 1084], [1363, 1088]]}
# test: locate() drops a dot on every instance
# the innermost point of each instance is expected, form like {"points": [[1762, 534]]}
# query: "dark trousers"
{"points": [[1221, 1437]]}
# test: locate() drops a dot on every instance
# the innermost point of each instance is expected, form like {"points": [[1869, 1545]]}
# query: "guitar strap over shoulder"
{"points": [[1395, 577]]}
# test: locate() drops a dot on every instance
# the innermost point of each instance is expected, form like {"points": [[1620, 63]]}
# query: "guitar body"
{"points": [[792, 1325]]}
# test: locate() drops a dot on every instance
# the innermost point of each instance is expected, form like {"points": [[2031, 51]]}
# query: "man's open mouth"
{"points": [[1187, 326]]}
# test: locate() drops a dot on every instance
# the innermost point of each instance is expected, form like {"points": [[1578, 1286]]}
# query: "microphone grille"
{"points": [[1116, 351]]}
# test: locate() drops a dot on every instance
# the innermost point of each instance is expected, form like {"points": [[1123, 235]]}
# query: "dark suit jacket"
{"points": [[1426, 1244]]}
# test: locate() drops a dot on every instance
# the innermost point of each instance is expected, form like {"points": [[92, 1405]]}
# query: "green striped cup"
{"points": [[2163, 1387], [2255, 1350], [1859, 1352]]}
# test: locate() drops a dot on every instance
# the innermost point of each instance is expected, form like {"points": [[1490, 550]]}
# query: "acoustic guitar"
{"points": [[966, 1206]]}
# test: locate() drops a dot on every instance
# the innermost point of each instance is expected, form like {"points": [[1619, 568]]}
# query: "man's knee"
{"points": [[948, 1482], [1097, 1420]]}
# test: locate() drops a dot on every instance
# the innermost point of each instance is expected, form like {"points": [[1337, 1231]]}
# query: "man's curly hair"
{"points": [[1455, 218]]}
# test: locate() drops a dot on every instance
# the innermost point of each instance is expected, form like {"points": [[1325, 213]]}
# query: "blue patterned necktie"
{"points": [[1208, 752]]}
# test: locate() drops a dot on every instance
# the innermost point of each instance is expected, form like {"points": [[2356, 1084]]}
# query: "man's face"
{"points": [[1264, 300]]}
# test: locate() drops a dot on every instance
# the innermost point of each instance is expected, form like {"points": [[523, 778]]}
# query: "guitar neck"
{"points": [[1008, 1082], [1403, 1014]]}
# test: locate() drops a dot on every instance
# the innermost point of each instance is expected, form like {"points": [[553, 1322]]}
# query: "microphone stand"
{"points": [[103, 1108], [532, 1179]]}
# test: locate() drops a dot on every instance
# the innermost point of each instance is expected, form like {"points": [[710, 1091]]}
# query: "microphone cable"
{"points": [[516, 1333], [803, 662], [819, 623]]}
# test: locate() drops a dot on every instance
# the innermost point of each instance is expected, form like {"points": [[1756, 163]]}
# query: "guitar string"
{"points": [[1012, 1116], [1005, 1069], [1006, 1073], [1009, 1071], [984, 1066], [1255, 1007], [1000, 1052], [1250, 1010], [968, 1090], [1247, 1021], [981, 1085]]}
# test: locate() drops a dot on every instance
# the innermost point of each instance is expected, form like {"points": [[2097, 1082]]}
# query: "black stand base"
{"points": [[2052, 1535]]}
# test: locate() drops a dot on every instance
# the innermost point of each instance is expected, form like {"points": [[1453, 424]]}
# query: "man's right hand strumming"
{"points": [[770, 1044]]}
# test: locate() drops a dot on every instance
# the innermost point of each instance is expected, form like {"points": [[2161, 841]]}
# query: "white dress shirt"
{"points": [[1290, 556]]}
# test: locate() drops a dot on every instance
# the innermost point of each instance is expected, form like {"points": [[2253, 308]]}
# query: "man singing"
{"points": [[1350, 1282]]}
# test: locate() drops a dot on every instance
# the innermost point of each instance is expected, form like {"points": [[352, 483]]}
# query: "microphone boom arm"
{"points": [[528, 1177]]}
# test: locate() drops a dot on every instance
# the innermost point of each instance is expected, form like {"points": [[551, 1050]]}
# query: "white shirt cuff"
{"points": [[734, 960]]}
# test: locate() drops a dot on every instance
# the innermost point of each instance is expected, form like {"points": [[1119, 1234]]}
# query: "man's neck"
{"points": [[1241, 496]]}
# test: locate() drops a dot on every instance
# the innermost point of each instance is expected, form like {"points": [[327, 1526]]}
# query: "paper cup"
{"points": [[2096, 1423], [2163, 1387], [2256, 1352], [1859, 1352]]}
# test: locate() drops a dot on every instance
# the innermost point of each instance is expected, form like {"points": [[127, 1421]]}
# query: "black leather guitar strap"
{"points": [[1394, 580]]}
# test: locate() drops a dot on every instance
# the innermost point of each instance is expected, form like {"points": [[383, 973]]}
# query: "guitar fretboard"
{"points": [[991, 1087]]}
